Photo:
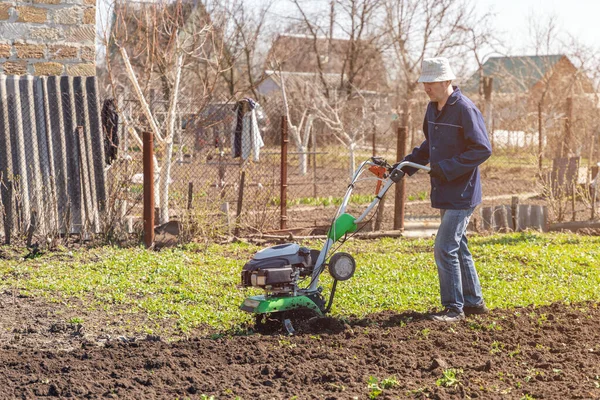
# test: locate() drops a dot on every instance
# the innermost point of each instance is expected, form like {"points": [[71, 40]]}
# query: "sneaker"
{"points": [[476, 310], [448, 315]]}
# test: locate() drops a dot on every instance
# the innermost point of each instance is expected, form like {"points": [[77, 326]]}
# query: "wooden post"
{"points": [[590, 158], [313, 139], [148, 153], [239, 203], [573, 198], [283, 191], [32, 227], [400, 200], [190, 195], [515, 213], [594, 190], [488, 83]]}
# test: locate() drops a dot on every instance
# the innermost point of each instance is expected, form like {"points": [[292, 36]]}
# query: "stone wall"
{"points": [[48, 37]]}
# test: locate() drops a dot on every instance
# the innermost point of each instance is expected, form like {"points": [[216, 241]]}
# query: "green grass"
{"points": [[195, 286], [423, 195], [449, 378]]}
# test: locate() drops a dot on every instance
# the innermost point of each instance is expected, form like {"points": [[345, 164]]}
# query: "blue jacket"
{"points": [[457, 140]]}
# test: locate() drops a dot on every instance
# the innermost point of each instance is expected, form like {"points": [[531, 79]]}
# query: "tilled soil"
{"points": [[549, 352]]}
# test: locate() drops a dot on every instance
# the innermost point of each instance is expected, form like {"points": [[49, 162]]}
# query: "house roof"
{"points": [[297, 54], [513, 74]]}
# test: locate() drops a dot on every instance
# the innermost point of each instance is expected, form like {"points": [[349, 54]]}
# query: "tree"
{"points": [[348, 119], [357, 53], [482, 43], [416, 29], [170, 49], [343, 68], [301, 130], [242, 27]]}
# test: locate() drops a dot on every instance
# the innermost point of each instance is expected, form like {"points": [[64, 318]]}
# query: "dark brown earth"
{"points": [[550, 352]]}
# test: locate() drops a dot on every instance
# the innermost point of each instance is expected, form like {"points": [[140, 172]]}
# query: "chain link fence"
{"points": [[72, 164], [226, 175], [226, 166]]}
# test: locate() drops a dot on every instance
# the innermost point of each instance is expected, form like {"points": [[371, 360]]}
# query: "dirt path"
{"points": [[522, 196], [550, 352]]}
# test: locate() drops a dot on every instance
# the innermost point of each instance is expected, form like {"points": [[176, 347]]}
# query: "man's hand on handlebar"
{"points": [[403, 169]]}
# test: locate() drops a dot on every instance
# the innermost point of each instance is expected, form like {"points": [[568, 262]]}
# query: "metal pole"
{"points": [[148, 153], [313, 139], [283, 196], [594, 191], [400, 200], [590, 158], [566, 146], [540, 138]]}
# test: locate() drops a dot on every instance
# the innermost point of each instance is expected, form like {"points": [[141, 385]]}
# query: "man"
{"points": [[456, 143]]}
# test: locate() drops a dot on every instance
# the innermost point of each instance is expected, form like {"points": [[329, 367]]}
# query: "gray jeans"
{"points": [[459, 283]]}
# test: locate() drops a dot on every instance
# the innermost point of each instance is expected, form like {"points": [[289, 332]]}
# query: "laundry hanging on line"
{"points": [[246, 138]]}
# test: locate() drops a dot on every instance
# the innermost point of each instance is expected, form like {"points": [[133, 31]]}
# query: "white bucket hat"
{"points": [[436, 70]]}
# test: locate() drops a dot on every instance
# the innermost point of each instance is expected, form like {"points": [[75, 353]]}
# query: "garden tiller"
{"points": [[283, 270]]}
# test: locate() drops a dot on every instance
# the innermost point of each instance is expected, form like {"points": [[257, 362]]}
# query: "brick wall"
{"points": [[48, 37]]}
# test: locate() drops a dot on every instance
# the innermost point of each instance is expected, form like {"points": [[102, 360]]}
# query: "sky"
{"points": [[579, 18]]}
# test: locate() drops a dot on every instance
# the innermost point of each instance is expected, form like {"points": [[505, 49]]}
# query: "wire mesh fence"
{"points": [[73, 164], [226, 164]]}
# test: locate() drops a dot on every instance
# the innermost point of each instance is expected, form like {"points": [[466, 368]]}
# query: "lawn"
{"points": [[194, 287]]}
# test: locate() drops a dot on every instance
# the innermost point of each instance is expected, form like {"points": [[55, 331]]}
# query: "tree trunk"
{"points": [[303, 145], [165, 172], [165, 177], [303, 159]]}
